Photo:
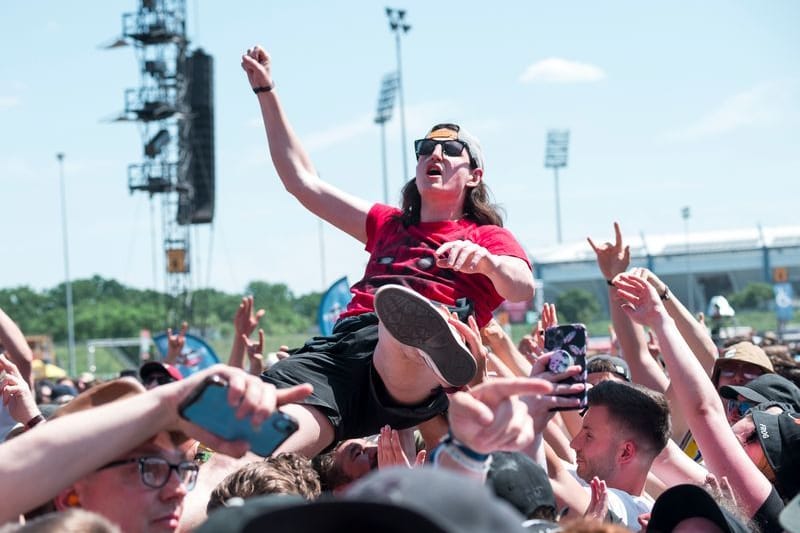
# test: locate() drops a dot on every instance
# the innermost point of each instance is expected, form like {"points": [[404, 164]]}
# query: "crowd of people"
{"points": [[420, 412]]}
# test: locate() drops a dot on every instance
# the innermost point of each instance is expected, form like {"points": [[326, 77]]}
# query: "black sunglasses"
{"points": [[451, 148], [155, 471]]}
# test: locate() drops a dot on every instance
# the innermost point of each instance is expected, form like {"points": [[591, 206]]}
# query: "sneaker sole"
{"points": [[414, 321]]}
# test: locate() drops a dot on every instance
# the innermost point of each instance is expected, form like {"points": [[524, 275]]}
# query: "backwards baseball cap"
{"points": [[609, 363], [450, 131], [157, 367], [521, 482], [681, 502], [766, 388], [779, 436], [393, 500], [744, 352]]}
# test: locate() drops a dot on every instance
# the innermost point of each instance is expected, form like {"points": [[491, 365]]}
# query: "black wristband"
{"points": [[263, 89], [38, 419], [665, 295], [610, 283]]}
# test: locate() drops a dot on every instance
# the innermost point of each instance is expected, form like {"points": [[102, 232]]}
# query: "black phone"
{"points": [[208, 407], [567, 344]]}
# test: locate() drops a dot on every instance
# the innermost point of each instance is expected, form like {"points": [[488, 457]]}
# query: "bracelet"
{"points": [[38, 419], [666, 295], [460, 458], [263, 88], [610, 283], [449, 439]]}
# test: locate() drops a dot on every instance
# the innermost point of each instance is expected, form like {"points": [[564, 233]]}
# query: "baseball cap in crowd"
{"points": [[447, 131], [682, 502], [609, 363], [779, 436], [163, 372], [107, 392], [393, 500], [765, 388], [514, 477], [742, 352]]}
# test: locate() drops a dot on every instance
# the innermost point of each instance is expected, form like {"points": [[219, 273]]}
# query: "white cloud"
{"points": [[557, 70], [7, 102], [765, 104]]}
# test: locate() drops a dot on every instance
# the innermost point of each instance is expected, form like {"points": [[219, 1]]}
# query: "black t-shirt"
{"points": [[767, 515]]}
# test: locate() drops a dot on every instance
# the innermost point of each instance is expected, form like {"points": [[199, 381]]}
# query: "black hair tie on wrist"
{"points": [[263, 89]]}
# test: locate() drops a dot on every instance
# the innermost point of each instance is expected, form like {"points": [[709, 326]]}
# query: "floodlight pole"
{"points": [[382, 116], [685, 214], [398, 26], [68, 283], [555, 158]]}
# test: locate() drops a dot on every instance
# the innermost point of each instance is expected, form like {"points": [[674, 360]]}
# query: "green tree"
{"points": [[577, 305], [755, 296]]}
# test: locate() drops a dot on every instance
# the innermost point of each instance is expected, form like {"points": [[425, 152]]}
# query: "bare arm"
{"points": [[294, 167], [17, 348], [56, 451], [695, 394]]}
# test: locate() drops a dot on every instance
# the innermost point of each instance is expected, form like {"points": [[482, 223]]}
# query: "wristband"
{"points": [[38, 419], [610, 283], [666, 295], [450, 440], [263, 88]]}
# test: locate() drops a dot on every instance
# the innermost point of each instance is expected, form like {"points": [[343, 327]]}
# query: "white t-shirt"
{"points": [[626, 507]]}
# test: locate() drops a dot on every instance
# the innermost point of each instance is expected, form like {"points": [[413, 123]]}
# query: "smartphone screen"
{"points": [[208, 407], [568, 346]]}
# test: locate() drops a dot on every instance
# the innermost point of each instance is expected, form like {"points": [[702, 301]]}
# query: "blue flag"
{"points": [[333, 302]]}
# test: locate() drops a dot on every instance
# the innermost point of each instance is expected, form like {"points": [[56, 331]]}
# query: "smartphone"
{"points": [[208, 407], [568, 346]]}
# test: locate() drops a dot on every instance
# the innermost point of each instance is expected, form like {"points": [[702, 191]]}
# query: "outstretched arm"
{"points": [[57, 450], [16, 346], [346, 212], [695, 394]]}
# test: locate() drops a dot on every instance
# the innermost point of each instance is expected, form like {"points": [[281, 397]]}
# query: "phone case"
{"points": [[568, 344], [208, 407]]}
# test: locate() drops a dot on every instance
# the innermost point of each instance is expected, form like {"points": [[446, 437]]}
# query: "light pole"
{"points": [[382, 116], [685, 214], [70, 317], [398, 25], [555, 158]]}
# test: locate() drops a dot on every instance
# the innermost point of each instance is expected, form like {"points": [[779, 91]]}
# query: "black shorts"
{"points": [[347, 389]]}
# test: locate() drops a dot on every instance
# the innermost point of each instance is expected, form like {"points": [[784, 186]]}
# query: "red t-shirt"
{"points": [[405, 256]]}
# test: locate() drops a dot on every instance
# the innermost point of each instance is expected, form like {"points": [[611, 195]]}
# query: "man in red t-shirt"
{"points": [[392, 351]]}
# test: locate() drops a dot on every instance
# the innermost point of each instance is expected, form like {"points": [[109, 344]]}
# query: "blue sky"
{"points": [[669, 104]]}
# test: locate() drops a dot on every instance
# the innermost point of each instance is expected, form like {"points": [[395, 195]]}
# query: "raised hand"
{"points": [[245, 321], [614, 258], [16, 393], [256, 63], [390, 451], [639, 299], [175, 344], [598, 505], [255, 352]]}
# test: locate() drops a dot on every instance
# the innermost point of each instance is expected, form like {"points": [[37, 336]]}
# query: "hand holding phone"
{"points": [[567, 344], [208, 407]]}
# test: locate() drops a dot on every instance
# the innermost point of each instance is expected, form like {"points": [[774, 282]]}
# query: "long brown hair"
{"points": [[478, 205]]}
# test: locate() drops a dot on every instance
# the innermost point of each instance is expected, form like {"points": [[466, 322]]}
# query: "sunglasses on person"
{"points": [[740, 408], [155, 471], [730, 371], [158, 379], [451, 148]]}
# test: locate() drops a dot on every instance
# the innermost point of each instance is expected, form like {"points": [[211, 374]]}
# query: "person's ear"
{"points": [[627, 452], [475, 177], [67, 499]]}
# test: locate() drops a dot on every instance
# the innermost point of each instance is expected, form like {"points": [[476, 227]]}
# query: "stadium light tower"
{"points": [[382, 116], [68, 281], [555, 158], [398, 25]]}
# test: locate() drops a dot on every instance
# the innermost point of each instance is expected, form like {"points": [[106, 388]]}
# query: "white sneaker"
{"points": [[414, 321]]}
